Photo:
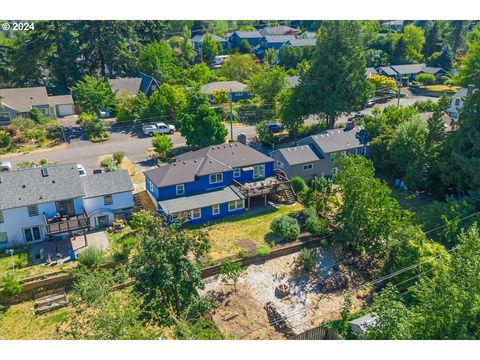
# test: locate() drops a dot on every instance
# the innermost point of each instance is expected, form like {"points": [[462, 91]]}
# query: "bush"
{"points": [[11, 129], [109, 164], [118, 156], [307, 259], [162, 144], [91, 257], [125, 246], [286, 226], [11, 285], [36, 115], [310, 212], [5, 139], [316, 227], [298, 184], [263, 250]]}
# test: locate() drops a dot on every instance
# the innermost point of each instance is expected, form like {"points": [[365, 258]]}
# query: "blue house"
{"points": [[214, 182], [198, 39], [254, 38]]}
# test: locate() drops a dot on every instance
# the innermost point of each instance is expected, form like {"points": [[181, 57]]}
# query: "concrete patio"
{"points": [[41, 251]]}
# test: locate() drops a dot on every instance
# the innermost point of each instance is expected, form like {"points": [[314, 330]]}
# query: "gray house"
{"points": [[315, 155], [410, 71], [198, 39], [298, 161], [132, 86], [20, 101]]}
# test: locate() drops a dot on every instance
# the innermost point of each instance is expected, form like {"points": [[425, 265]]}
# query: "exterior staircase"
{"points": [[290, 196]]}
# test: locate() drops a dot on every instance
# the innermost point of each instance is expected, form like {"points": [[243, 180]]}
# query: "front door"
{"points": [[102, 221], [65, 207]]}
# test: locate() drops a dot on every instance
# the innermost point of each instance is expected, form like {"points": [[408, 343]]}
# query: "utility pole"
{"points": [[398, 93], [231, 115], [13, 262]]}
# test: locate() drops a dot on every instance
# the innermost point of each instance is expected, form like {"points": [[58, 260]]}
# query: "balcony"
{"points": [[62, 224]]}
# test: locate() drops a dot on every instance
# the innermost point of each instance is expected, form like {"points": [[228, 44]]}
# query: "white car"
{"points": [[81, 170], [5, 166], [158, 128]]}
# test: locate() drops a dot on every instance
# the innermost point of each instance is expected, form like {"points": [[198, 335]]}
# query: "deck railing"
{"points": [[281, 183], [66, 224]]}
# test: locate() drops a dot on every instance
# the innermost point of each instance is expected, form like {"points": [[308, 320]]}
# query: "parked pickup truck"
{"points": [[158, 128]]}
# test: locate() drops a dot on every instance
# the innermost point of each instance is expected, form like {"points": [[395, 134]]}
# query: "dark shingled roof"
{"points": [[22, 99], [278, 30], [211, 88], [298, 154], [112, 182], [28, 187], [340, 139], [209, 160], [129, 86], [199, 38]]}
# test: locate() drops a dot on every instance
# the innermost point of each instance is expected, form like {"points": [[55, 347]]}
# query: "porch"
{"points": [[63, 223]]}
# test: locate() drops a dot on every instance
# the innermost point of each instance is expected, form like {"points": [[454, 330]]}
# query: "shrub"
{"points": [[118, 156], [125, 246], [263, 250], [162, 144], [298, 184], [316, 227], [109, 164], [36, 115], [286, 226], [91, 257], [12, 130], [307, 259], [5, 138], [11, 285], [425, 79], [310, 212], [242, 253]]}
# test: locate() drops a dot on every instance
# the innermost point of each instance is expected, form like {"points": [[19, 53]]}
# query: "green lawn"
{"points": [[18, 322], [442, 88], [411, 202], [253, 225]]}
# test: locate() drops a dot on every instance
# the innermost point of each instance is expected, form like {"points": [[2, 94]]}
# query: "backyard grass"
{"points": [[411, 202], [442, 88], [18, 322], [252, 225]]}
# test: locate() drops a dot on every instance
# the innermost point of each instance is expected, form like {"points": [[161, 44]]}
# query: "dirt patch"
{"points": [[256, 311], [247, 244], [143, 201]]}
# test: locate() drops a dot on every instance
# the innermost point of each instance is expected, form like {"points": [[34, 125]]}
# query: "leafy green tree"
{"points": [[286, 108], [433, 40], [264, 134], [231, 271], [157, 59], [166, 272], [5, 139], [290, 56], [383, 83], [414, 39], [286, 226], [268, 83], [167, 101], [203, 128], [239, 67], [162, 144], [186, 46], [210, 48], [468, 70], [95, 128], [298, 184], [94, 95], [244, 47], [335, 82], [200, 74], [369, 214], [129, 108], [443, 59]]}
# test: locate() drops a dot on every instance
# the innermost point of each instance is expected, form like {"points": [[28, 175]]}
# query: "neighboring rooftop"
{"points": [[301, 42], [282, 39], [370, 71], [112, 182], [362, 324], [298, 154], [187, 203], [293, 80], [60, 100], [278, 30], [39, 185], [209, 160], [199, 38], [213, 87], [129, 86], [248, 34], [340, 139], [409, 69], [22, 99]]}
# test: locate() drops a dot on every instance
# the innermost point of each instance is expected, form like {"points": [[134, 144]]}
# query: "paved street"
{"points": [[131, 141]]}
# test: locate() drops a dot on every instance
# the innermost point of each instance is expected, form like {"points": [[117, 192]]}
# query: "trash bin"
{"points": [[242, 137], [73, 255]]}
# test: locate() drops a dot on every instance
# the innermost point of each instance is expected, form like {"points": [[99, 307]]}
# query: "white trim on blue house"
{"points": [[179, 192], [216, 179], [237, 172]]}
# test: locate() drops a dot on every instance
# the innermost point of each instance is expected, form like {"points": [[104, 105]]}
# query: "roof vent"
{"points": [[195, 161], [174, 164], [53, 181], [184, 162], [44, 172], [23, 186], [288, 149]]}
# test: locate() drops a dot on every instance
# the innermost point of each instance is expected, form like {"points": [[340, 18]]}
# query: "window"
{"points": [[280, 164], [180, 189], [354, 151], [216, 178], [237, 172], [108, 200], [44, 111], [259, 171], [216, 209], [196, 213], [3, 237], [32, 210], [364, 151], [4, 116], [457, 102], [334, 171], [150, 186], [235, 205], [307, 167], [1, 217], [32, 234], [344, 153], [65, 207]]}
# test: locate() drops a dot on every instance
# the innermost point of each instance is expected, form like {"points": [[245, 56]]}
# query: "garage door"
{"points": [[64, 110]]}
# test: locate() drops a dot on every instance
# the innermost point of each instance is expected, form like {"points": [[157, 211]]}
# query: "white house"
{"points": [[362, 325], [457, 101], [40, 203]]}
